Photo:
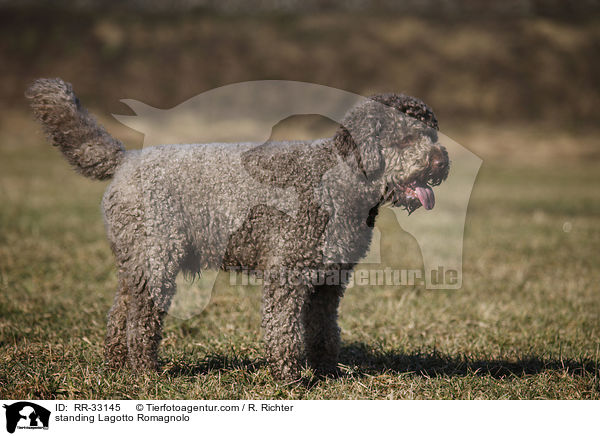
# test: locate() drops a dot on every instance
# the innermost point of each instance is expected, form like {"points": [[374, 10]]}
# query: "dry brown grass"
{"points": [[521, 93], [524, 325]]}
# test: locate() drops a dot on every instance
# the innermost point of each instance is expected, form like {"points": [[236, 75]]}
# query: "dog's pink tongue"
{"points": [[425, 194]]}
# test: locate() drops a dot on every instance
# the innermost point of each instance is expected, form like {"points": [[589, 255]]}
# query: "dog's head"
{"points": [[393, 138]]}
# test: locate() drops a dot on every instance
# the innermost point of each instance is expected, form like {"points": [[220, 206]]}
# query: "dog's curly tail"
{"points": [[84, 142]]}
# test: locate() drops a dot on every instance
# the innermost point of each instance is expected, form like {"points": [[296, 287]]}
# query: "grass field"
{"points": [[525, 325]]}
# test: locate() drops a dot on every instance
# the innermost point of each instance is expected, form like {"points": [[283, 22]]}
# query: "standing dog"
{"points": [[190, 207]]}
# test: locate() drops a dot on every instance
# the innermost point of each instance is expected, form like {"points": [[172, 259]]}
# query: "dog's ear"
{"points": [[357, 139], [379, 121]]}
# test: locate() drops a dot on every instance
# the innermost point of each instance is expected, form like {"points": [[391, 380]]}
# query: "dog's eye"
{"points": [[432, 134], [407, 141]]}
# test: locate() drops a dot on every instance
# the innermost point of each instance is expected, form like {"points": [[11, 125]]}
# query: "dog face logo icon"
{"points": [[26, 415]]}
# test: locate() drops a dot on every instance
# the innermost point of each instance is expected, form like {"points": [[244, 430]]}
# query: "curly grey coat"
{"points": [[191, 207]]}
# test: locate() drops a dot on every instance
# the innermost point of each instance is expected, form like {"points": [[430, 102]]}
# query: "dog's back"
{"points": [[199, 193]]}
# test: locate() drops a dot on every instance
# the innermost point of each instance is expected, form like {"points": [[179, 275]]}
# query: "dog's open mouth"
{"points": [[411, 196], [422, 192]]}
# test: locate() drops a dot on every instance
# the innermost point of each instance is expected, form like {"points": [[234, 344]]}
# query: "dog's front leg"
{"points": [[322, 331], [284, 304]]}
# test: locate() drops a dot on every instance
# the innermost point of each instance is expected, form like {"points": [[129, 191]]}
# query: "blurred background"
{"points": [[530, 65], [514, 81]]}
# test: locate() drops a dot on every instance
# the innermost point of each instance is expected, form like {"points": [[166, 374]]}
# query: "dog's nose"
{"points": [[438, 163], [438, 160]]}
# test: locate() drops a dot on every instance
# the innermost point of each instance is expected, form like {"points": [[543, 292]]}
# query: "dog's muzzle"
{"points": [[419, 192], [422, 192]]}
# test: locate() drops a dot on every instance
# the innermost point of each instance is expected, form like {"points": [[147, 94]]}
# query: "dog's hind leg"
{"points": [[149, 301], [134, 322], [115, 345], [144, 328], [147, 275]]}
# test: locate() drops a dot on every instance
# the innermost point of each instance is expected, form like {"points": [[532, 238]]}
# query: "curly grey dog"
{"points": [[190, 207]]}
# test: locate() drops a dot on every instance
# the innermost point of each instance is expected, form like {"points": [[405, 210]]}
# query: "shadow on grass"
{"points": [[213, 362], [357, 359]]}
